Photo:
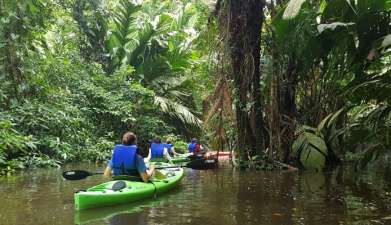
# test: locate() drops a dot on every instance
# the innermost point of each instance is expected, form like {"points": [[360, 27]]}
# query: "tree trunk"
{"points": [[274, 148], [245, 24], [11, 53], [288, 109]]}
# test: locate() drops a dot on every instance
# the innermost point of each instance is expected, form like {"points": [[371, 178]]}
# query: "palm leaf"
{"points": [[178, 111]]}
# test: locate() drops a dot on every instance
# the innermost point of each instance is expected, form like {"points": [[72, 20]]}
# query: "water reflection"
{"points": [[116, 215], [223, 196], [124, 219]]}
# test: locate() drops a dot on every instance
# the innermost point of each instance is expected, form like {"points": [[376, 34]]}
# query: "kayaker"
{"points": [[127, 160], [170, 147], [195, 147], [199, 149], [158, 150]]}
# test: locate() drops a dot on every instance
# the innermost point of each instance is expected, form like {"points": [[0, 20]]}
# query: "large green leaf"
{"points": [[292, 9], [311, 150]]}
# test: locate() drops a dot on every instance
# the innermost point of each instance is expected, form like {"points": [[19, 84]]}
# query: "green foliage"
{"points": [[98, 150], [179, 144], [11, 141], [91, 18], [74, 76], [154, 39], [13, 144], [340, 54], [81, 117], [310, 148], [365, 135]]}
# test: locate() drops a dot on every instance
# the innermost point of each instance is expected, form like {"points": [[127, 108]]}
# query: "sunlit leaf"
{"points": [[332, 26], [292, 9], [386, 41]]}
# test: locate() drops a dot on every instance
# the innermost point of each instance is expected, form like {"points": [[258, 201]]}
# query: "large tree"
{"points": [[244, 40]]}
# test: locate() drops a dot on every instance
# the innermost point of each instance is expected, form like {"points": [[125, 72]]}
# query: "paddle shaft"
{"points": [[96, 173], [81, 174], [168, 167]]}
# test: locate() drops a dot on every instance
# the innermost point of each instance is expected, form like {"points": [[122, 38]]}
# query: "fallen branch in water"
{"points": [[289, 167]]}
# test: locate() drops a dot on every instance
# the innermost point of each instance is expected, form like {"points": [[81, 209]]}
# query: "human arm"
{"points": [[166, 154], [145, 172], [173, 151], [149, 156], [108, 171]]}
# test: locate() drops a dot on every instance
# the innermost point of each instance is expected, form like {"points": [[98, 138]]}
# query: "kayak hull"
{"points": [[198, 162], [103, 194], [203, 164]]}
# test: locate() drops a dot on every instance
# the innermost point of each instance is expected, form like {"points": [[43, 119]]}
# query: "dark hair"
{"points": [[142, 152], [157, 140], [129, 138], [194, 140]]}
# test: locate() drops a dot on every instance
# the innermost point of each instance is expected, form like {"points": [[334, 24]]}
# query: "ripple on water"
{"points": [[223, 196]]}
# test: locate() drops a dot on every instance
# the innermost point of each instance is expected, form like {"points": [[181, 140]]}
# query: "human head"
{"points": [[193, 140], [129, 138], [168, 141], [157, 140]]}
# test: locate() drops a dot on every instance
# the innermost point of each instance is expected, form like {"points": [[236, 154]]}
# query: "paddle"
{"points": [[82, 174], [78, 174]]}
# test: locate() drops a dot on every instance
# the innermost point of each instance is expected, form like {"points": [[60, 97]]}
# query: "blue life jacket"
{"points": [[168, 146], [192, 147], [157, 150], [124, 160]]}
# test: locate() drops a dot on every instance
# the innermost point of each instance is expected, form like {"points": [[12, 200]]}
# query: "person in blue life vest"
{"points": [[127, 160], [158, 150], [192, 145], [170, 147], [195, 147]]}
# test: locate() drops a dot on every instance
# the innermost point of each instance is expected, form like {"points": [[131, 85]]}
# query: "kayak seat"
{"points": [[118, 185]]}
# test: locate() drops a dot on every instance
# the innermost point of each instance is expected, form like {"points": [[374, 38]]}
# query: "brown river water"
{"points": [[223, 197]]}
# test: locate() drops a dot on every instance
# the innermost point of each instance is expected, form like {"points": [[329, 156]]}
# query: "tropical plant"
{"points": [[158, 47], [21, 24], [340, 58]]}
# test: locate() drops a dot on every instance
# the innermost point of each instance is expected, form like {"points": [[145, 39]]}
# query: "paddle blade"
{"points": [[76, 174]]}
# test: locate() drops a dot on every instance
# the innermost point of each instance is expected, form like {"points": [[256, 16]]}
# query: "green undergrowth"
{"points": [[76, 115]]}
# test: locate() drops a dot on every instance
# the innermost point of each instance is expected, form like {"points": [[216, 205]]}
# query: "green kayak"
{"points": [[181, 158], [125, 191]]}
